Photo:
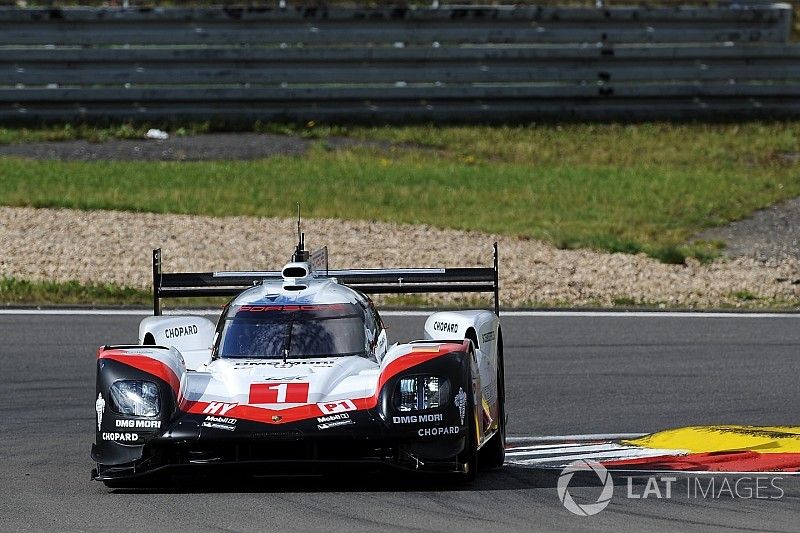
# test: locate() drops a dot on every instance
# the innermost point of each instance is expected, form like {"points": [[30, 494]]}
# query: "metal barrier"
{"points": [[340, 26], [389, 65]]}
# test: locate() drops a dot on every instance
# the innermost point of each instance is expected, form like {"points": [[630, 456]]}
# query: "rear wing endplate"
{"points": [[369, 281]]}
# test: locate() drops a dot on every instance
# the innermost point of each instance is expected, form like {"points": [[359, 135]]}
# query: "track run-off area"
{"points": [[577, 384]]}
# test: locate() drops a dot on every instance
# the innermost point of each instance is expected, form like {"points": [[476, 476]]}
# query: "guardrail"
{"points": [[387, 65], [337, 26]]}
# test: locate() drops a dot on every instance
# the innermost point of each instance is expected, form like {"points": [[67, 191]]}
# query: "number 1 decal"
{"points": [[279, 393]]}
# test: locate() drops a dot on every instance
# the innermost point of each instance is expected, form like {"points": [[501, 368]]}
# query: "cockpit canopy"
{"points": [[295, 331]]}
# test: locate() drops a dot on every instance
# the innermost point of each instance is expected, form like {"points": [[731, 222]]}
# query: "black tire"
{"points": [[469, 457], [493, 453]]}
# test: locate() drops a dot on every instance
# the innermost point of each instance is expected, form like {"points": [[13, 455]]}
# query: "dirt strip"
{"points": [[210, 146], [109, 246], [767, 233]]}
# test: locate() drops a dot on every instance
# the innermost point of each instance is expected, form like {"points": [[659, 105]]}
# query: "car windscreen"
{"points": [[267, 331]]}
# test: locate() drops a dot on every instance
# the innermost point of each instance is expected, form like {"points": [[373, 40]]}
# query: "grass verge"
{"points": [[24, 293], [641, 188], [20, 292]]}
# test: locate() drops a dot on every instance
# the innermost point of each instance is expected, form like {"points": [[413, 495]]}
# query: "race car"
{"points": [[298, 376]]}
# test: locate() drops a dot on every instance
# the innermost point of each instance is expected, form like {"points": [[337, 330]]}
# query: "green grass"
{"points": [[745, 295], [629, 188], [20, 292], [27, 293]]}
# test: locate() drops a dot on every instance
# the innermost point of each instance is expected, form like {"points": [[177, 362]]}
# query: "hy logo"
{"points": [[585, 509]]}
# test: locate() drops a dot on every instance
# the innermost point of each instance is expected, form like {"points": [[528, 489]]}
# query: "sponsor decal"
{"points": [[339, 406], [141, 424], [180, 331], [487, 413], [447, 327], [278, 363], [332, 418], [433, 432], [121, 437], [279, 392], [221, 419], [220, 422], [283, 378], [330, 421], [213, 425], [100, 408], [461, 402], [415, 419], [218, 408], [329, 425], [270, 308], [487, 337]]}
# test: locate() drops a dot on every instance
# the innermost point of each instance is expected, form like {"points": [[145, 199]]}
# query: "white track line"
{"points": [[549, 450], [584, 314], [610, 455], [646, 314], [560, 446], [577, 438]]}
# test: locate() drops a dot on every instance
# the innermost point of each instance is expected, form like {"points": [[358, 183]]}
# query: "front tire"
{"points": [[469, 457], [493, 453]]}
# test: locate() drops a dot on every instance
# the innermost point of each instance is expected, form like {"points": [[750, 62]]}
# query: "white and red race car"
{"points": [[298, 374]]}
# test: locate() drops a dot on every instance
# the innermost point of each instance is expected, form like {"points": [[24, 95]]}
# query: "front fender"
{"points": [[436, 432], [120, 438]]}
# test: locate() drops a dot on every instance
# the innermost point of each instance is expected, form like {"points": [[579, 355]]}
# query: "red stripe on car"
{"points": [[146, 364]]}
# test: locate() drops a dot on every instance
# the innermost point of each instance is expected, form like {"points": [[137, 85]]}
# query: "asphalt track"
{"points": [[565, 375]]}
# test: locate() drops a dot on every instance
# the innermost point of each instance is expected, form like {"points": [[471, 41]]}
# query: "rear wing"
{"points": [[369, 281]]}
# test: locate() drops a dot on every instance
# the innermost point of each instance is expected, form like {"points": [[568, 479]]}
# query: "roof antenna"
{"points": [[300, 253]]}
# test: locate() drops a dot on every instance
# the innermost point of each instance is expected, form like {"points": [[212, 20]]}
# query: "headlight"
{"points": [[421, 392], [133, 397]]}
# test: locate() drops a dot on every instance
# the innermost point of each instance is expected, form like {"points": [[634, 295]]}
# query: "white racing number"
{"points": [[280, 395]]}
